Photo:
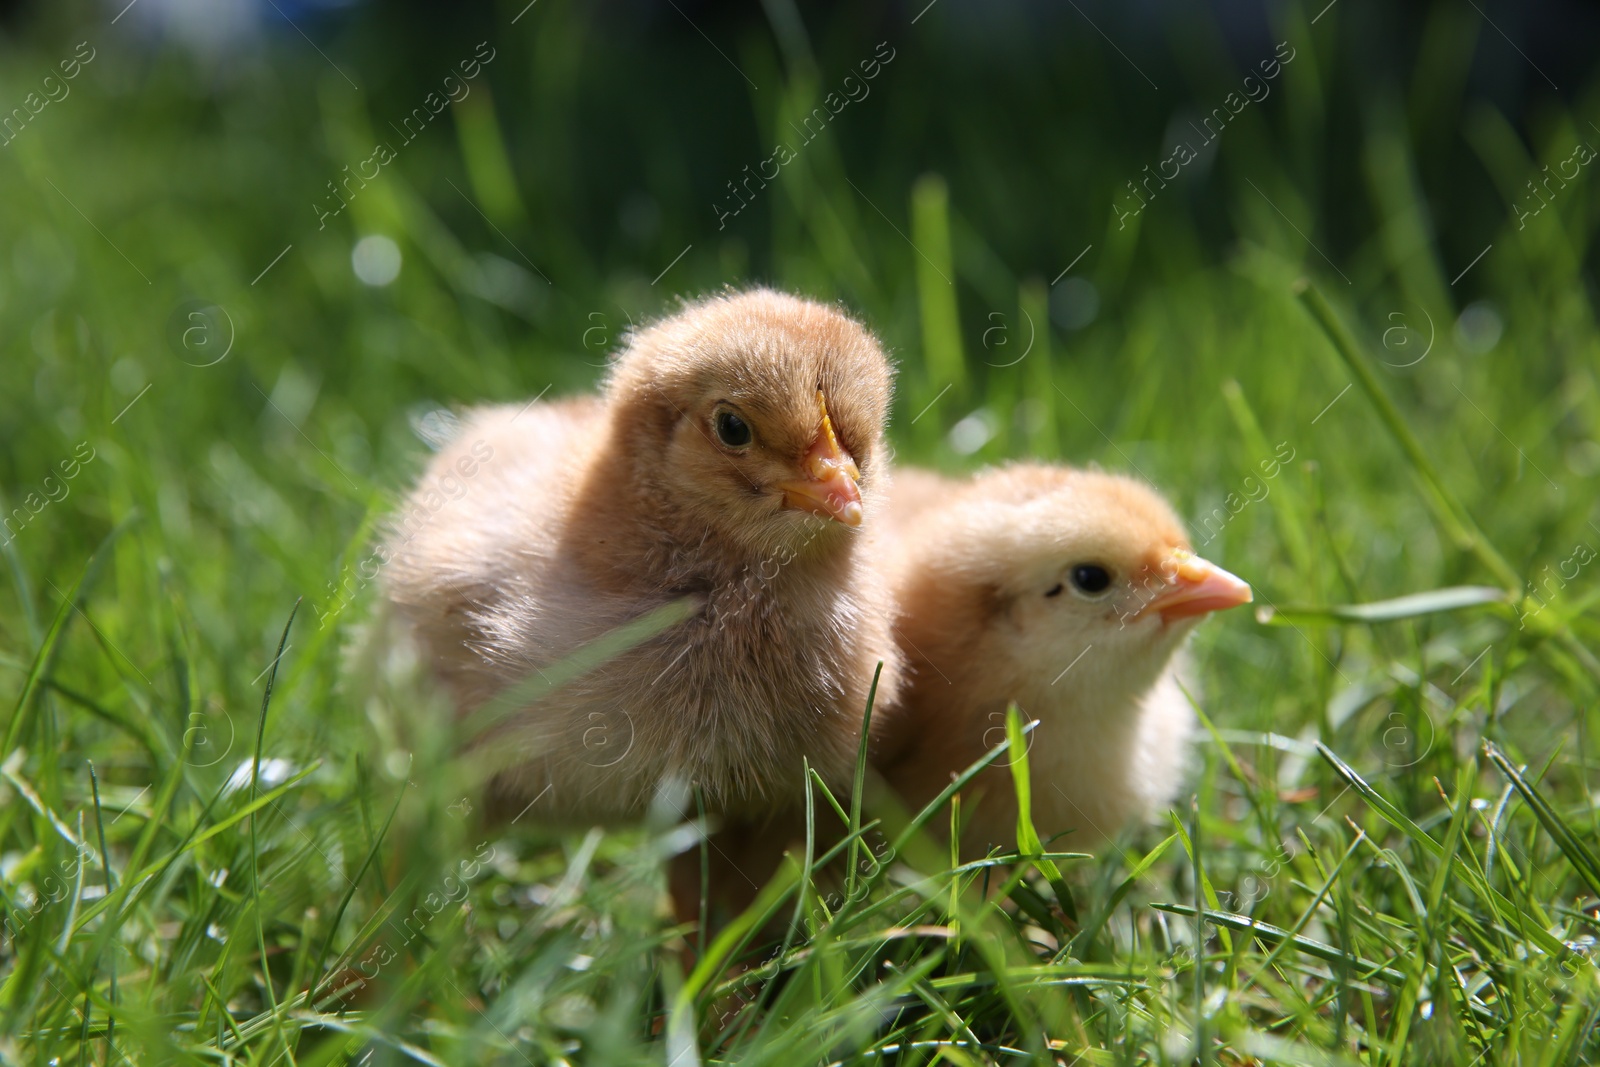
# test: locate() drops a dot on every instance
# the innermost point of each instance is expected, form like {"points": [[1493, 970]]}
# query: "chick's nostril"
{"points": [[826, 467]]}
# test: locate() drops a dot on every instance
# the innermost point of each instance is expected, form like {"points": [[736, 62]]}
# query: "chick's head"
{"points": [[761, 416], [1090, 584]]}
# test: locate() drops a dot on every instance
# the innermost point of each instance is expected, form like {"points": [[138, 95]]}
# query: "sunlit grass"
{"points": [[1359, 878]]}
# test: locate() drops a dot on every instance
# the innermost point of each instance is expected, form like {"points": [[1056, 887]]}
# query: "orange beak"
{"points": [[1198, 588], [829, 487]]}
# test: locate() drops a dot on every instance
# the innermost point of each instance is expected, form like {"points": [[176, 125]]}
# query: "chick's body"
{"points": [[734, 460], [1069, 592]]}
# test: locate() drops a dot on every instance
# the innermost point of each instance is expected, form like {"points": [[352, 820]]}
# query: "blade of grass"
{"points": [[1396, 818], [807, 887], [860, 783], [1571, 845], [45, 656], [605, 647], [1305, 914], [1090, 929], [1290, 519], [255, 848], [105, 868], [936, 298], [1028, 844], [350, 892], [1411, 606], [1267, 932], [1450, 513]]}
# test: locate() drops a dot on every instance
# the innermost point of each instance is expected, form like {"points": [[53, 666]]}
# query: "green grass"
{"points": [[1391, 856]]}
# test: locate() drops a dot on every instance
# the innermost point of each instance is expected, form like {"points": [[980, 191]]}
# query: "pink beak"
{"points": [[1197, 588]]}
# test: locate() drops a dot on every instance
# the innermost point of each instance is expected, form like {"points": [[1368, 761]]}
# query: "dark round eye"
{"points": [[732, 430], [1091, 578]]}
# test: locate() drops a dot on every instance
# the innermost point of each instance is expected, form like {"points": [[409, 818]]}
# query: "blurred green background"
{"points": [[248, 352]]}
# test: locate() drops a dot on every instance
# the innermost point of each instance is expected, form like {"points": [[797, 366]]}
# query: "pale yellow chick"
{"points": [[1069, 592], [736, 458]]}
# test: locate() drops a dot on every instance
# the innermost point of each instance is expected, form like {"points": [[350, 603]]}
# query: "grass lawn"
{"points": [[234, 286]]}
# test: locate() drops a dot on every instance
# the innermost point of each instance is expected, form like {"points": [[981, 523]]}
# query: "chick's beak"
{"points": [[829, 486], [1197, 588]]}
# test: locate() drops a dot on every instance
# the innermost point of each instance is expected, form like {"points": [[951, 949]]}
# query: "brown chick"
{"points": [[735, 457], [1069, 592]]}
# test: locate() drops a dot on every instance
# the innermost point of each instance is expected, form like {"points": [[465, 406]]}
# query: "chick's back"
{"points": [[484, 523]]}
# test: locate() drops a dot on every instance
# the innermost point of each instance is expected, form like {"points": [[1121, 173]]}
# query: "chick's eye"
{"points": [[732, 430], [1091, 578]]}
